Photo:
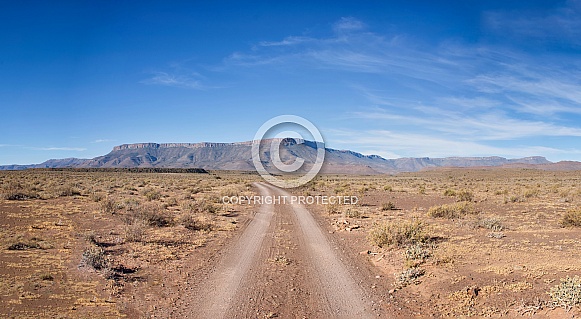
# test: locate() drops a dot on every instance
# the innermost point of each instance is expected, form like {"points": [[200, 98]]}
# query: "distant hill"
{"points": [[237, 156]]}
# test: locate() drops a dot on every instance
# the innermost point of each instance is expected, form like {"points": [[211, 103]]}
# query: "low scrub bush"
{"points": [[352, 213], [571, 219], [67, 190], [136, 231], [465, 196], [417, 252], [192, 223], [388, 206], [398, 233], [151, 194], [567, 294], [95, 258], [449, 192], [491, 223], [409, 276], [452, 211], [17, 191], [108, 206]]}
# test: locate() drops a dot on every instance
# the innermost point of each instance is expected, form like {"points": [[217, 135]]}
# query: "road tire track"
{"points": [[249, 282]]}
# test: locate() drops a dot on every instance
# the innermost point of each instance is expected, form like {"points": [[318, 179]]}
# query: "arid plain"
{"points": [[443, 243]]}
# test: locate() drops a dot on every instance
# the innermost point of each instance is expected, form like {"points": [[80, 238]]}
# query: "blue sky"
{"points": [[413, 79]]}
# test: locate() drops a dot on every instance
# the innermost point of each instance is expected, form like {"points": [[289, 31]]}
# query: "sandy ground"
{"points": [[197, 258]]}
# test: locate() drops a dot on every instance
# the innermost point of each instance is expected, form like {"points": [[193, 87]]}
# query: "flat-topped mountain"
{"points": [[238, 156]]}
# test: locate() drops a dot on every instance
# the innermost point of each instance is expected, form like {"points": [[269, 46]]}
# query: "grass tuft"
{"points": [[398, 233], [452, 211], [571, 219]]}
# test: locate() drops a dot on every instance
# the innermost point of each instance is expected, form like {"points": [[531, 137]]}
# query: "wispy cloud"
{"points": [[562, 24], [392, 144], [450, 98], [190, 81], [102, 141], [490, 126]]}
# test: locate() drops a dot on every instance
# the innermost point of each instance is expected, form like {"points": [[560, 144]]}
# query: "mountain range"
{"points": [[238, 156]]}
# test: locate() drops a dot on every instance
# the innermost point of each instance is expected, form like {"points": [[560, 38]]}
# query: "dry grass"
{"points": [[571, 218], [452, 211], [398, 233]]}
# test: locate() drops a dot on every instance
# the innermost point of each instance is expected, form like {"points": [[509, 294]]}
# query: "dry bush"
{"points": [[136, 231], [465, 196], [352, 213], [491, 223], [417, 252], [192, 223], [97, 197], [152, 214], [449, 192], [398, 233], [331, 209], [567, 294], [155, 215], [67, 190], [151, 194], [208, 207], [571, 219], [189, 206], [17, 191], [172, 201], [452, 211], [409, 276], [108, 206], [388, 206], [95, 258]]}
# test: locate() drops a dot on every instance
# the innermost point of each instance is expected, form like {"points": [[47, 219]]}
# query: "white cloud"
{"points": [[557, 25], [102, 141], [182, 81], [482, 126], [392, 144]]}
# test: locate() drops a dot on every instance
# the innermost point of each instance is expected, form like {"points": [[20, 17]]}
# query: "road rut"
{"points": [[282, 265]]}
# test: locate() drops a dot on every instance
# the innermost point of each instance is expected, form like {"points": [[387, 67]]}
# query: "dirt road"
{"points": [[283, 265]]}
